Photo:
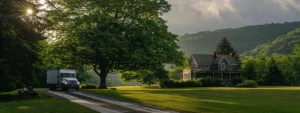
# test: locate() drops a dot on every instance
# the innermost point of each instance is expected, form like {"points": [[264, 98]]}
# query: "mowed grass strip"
{"points": [[213, 100], [41, 104]]}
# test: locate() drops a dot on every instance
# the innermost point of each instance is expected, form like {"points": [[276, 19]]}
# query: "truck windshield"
{"points": [[69, 75]]}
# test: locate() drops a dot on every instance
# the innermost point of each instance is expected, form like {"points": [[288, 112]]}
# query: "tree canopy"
{"points": [[20, 34], [111, 35]]}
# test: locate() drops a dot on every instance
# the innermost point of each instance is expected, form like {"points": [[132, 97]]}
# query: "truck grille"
{"points": [[73, 82]]}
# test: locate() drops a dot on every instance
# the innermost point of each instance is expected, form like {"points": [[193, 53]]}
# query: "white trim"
{"points": [[227, 61]]}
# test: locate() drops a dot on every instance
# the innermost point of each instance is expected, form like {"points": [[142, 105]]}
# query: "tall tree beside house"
{"points": [[274, 76], [248, 69], [224, 47], [109, 35]]}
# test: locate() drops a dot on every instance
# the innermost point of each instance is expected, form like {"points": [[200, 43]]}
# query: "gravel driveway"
{"points": [[103, 104]]}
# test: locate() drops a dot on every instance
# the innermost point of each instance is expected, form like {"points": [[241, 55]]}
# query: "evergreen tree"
{"points": [[225, 48], [274, 76]]}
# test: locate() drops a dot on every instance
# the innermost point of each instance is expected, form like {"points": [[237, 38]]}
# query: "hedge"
{"points": [[247, 83], [88, 86], [165, 83]]}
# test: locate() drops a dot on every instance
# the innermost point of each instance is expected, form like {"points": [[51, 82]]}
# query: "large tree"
{"points": [[111, 35], [225, 48], [20, 33]]}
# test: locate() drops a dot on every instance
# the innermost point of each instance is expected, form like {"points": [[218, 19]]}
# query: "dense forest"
{"points": [[282, 45], [243, 39]]}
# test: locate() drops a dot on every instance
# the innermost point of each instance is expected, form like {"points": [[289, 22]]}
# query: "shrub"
{"points": [[11, 86], [161, 83], [247, 83], [236, 81], [217, 82], [198, 82], [83, 86], [88, 86], [165, 83], [209, 82], [91, 86], [260, 82], [188, 83]]}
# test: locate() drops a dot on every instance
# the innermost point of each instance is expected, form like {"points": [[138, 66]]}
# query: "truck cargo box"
{"points": [[52, 76]]}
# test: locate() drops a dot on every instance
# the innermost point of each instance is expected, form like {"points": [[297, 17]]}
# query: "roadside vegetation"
{"points": [[11, 103], [212, 99]]}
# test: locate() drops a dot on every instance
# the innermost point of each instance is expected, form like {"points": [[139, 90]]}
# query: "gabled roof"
{"points": [[208, 59]]}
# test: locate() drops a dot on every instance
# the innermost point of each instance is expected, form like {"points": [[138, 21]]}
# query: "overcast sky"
{"points": [[191, 16]]}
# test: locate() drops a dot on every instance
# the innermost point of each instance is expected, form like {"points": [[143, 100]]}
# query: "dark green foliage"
{"points": [[165, 83], [243, 39], [188, 83], [237, 80], [19, 35], [268, 71], [248, 69], [225, 48], [282, 45], [247, 83], [260, 82], [198, 82], [210, 82], [274, 76], [149, 77], [10, 86]]}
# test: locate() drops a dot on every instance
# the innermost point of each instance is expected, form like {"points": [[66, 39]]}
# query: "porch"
{"points": [[225, 76]]}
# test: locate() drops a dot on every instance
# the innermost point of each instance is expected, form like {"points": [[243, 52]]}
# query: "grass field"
{"points": [[213, 100], [40, 104]]}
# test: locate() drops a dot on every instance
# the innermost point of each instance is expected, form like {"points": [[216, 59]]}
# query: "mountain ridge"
{"points": [[242, 38]]}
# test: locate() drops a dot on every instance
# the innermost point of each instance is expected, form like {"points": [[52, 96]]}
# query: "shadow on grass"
{"points": [[16, 97]]}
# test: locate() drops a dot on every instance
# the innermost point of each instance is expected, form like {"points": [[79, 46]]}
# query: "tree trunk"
{"points": [[103, 65], [103, 75]]}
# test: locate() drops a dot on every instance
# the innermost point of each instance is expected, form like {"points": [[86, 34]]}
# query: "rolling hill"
{"points": [[243, 39], [282, 45]]}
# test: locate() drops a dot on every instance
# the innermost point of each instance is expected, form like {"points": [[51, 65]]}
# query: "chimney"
{"points": [[214, 54]]}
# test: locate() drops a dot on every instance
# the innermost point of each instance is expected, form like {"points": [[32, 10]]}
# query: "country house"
{"points": [[224, 67]]}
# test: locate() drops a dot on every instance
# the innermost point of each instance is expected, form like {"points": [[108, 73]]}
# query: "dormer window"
{"points": [[223, 66]]}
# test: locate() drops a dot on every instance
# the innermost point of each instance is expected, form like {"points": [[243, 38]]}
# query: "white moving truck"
{"points": [[63, 79]]}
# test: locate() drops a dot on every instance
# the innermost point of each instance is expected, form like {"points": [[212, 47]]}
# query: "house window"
{"points": [[206, 66], [223, 66]]}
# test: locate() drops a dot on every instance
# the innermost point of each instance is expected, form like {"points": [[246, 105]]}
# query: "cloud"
{"points": [[188, 16]]}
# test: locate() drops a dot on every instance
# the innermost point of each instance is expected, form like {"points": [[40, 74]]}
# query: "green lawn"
{"points": [[41, 104], [213, 100]]}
